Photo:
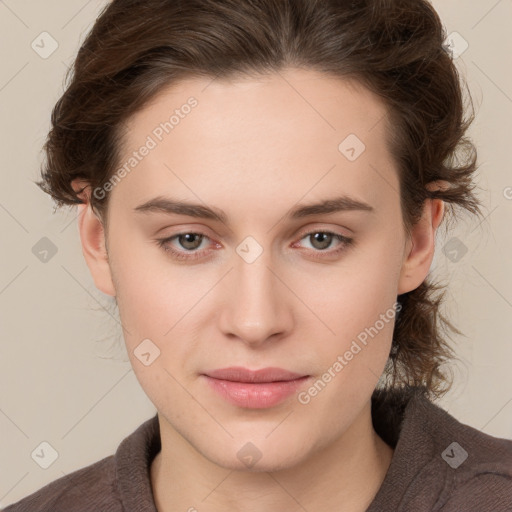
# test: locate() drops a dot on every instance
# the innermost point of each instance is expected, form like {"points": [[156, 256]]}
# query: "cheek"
{"points": [[153, 293], [357, 304], [352, 359], [164, 303], [352, 295], [158, 334]]}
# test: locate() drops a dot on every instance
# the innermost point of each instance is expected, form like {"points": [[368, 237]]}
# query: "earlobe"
{"points": [[420, 247], [94, 249]]}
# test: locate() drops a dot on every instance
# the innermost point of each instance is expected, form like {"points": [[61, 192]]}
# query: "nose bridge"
{"points": [[256, 308]]}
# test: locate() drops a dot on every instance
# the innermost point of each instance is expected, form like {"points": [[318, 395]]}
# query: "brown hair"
{"points": [[137, 48]]}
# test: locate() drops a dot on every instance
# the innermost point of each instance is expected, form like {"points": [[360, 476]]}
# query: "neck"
{"points": [[348, 470]]}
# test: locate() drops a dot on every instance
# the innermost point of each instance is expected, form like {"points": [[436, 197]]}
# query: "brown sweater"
{"points": [[439, 464]]}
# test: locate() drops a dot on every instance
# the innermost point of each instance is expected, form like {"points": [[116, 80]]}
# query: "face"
{"points": [[263, 281]]}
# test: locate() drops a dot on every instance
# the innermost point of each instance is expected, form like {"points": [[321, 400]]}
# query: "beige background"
{"points": [[59, 382]]}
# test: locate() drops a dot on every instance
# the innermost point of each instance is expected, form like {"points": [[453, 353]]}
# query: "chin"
{"points": [[277, 462], [258, 456]]}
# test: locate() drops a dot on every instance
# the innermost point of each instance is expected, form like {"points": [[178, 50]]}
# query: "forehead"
{"points": [[265, 103], [285, 130]]}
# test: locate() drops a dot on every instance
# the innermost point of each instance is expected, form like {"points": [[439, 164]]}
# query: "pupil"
{"points": [[189, 240], [323, 244]]}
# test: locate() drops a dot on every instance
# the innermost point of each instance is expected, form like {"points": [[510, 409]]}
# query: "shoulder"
{"points": [[479, 467], [439, 463], [487, 490], [475, 468], [116, 483], [90, 488]]}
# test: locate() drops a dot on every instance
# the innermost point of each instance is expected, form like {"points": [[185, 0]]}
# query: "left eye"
{"points": [[191, 242], [324, 239]]}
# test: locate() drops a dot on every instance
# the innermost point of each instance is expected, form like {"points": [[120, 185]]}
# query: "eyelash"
{"points": [[346, 243]]}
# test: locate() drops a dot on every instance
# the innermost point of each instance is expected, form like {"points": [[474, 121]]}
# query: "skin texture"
{"points": [[256, 148]]}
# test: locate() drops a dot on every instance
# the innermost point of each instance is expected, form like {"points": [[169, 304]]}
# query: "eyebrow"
{"points": [[168, 205]]}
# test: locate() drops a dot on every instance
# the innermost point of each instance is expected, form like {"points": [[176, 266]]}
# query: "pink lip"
{"points": [[254, 389]]}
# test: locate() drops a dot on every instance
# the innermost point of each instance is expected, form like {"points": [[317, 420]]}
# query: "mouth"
{"points": [[258, 389]]}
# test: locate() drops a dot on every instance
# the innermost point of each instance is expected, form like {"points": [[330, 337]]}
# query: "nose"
{"points": [[256, 304]]}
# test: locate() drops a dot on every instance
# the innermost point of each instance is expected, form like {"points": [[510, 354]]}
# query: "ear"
{"points": [[92, 236], [420, 247]]}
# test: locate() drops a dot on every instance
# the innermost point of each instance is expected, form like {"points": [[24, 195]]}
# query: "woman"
{"points": [[260, 184]]}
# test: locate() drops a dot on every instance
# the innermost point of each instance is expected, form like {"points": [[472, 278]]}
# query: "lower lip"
{"points": [[255, 396]]}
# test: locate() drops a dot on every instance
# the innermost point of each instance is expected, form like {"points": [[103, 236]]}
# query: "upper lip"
{"points": [[240, 374]]}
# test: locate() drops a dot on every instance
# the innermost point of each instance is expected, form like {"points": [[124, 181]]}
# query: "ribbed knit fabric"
{"points": [[439, 465]]}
